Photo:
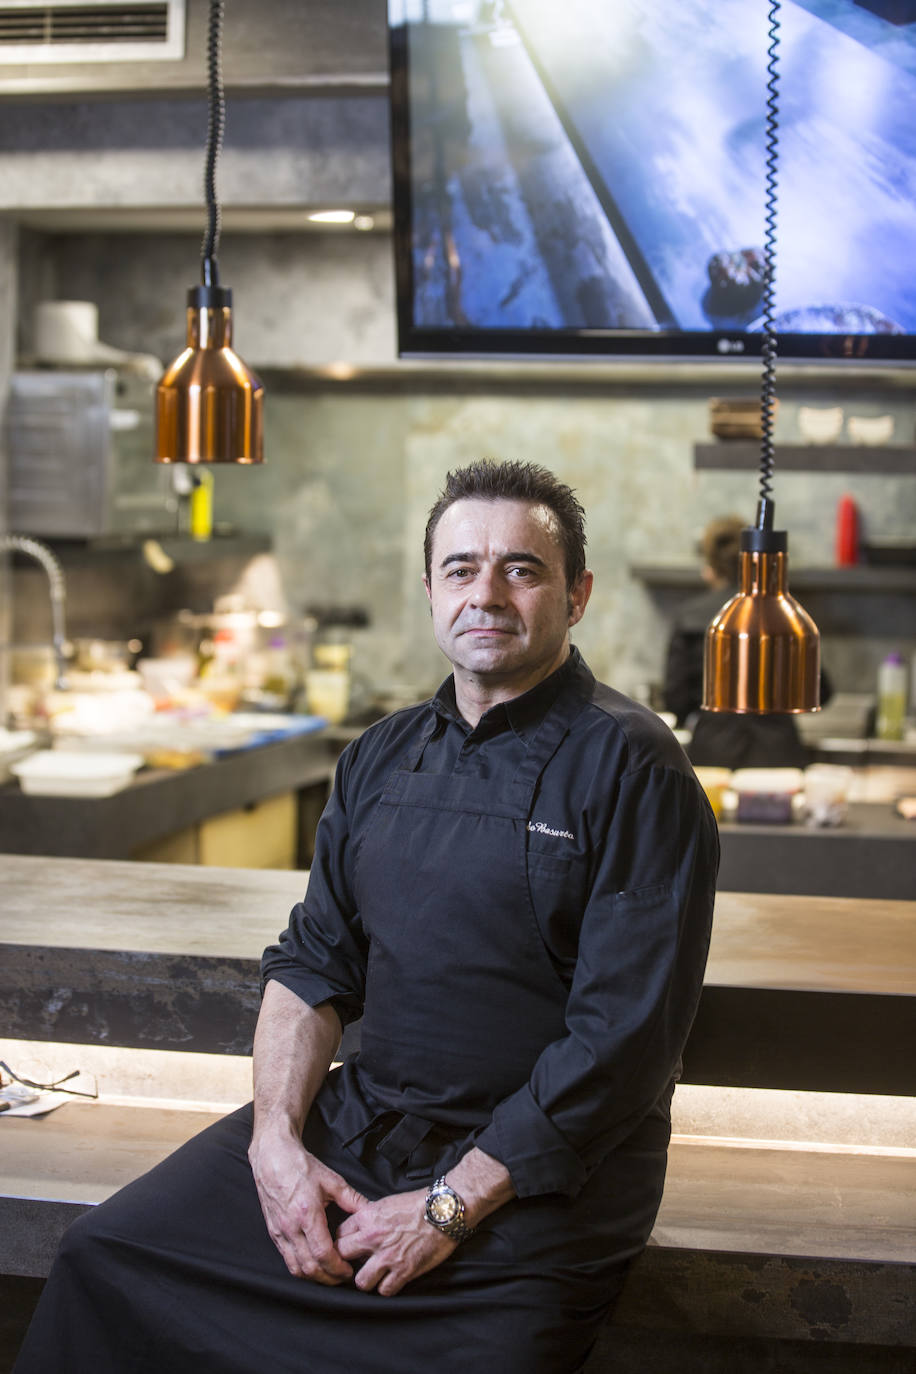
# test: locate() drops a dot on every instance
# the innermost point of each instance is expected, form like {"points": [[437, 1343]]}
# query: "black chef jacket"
{"points": [[621, 854]]}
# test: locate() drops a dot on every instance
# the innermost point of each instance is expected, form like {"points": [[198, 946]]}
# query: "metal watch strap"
{"points": [[457, 1229]]}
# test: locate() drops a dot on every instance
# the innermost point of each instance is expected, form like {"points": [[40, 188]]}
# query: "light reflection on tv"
{"points": [[590, 168]]}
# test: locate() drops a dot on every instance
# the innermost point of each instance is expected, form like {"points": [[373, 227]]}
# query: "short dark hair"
{"points": [[514, 481]]}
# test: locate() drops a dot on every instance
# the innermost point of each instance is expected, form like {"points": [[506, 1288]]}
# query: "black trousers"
{"points": [[177, 1272]]}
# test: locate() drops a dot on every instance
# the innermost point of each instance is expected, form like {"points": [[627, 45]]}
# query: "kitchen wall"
{"points": [[353, 466]]}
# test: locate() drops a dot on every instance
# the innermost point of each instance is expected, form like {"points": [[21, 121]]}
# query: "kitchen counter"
{"points": [[160, 802], [872, 855], [800, 992]]}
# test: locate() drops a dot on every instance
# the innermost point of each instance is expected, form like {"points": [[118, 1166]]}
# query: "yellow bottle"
{"points": [[891, 698], [201, 518]]}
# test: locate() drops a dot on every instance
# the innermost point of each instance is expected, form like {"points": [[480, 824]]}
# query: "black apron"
{"points": [[462, 997]]}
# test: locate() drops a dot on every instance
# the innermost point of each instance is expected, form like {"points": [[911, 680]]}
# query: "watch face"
{"points": [[442, 1208]]}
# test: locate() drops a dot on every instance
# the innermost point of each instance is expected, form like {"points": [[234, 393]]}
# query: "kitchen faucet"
{"points": [[21, 543]]}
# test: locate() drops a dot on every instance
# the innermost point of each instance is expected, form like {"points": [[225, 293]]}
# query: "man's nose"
{"points": [[489, 588]]}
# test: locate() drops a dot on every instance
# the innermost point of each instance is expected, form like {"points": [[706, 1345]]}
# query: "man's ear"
{"points": [[429, 595], [578, 597]]}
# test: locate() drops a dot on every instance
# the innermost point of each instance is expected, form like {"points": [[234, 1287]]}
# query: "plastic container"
{"points": [[892, 684], [827, 789], [60, 773], [767, 795]]}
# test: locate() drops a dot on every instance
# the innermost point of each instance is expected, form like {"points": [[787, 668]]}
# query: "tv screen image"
{"points": [[588, 177]]}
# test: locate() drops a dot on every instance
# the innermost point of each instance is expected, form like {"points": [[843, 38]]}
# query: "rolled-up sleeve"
{"points": [[322, 954], [639, 970]]}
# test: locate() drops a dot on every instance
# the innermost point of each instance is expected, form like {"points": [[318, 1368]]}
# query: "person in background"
{"points": [[721, 739], [513, 887]]}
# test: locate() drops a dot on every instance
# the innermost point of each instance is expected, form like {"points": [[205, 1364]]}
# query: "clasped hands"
{"points": [[391, 1236]]}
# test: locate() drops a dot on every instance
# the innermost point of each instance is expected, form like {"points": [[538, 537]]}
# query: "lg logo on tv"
{"points": [[730, 346]]}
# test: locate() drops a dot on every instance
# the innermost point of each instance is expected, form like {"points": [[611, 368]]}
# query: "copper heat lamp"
{"points": [[762, 650], [209, 404]]}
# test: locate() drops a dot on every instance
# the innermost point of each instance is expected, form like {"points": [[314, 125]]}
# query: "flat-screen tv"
{"points": [[581, 177]]}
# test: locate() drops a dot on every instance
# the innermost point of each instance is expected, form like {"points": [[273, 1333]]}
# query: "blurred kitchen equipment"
{"points": [[327, 683], [767, 795], [819, 424], [715, 782], [62, 773], [15, 745], [846, 548], [892, 688], [736, 418], [870, 429], [19, 543], [167, 679], [66, 334], [79, 456], [827, 788], [105, 655]]}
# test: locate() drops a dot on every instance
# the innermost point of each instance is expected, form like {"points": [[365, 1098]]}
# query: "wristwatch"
{"points": [[445, 1211]]}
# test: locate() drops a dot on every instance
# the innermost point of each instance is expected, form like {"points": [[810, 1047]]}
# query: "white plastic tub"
{"points": [[60, 773]]}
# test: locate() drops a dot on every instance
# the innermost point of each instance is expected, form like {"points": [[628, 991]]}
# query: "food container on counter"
{"points": [[768, 796], [827, 788], [60, 773], [715, 782]]}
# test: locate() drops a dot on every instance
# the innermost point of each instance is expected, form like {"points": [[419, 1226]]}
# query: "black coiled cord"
{"points": [[216, 122], [768, 387]]}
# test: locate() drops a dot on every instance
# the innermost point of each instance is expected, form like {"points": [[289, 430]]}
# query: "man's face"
{"points": [[497, 589]]}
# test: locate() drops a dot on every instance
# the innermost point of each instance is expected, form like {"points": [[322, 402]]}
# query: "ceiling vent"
{"points": [[103, 31]]}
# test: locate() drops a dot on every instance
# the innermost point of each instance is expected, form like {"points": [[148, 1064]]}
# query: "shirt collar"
{"points": [[523, 713]]}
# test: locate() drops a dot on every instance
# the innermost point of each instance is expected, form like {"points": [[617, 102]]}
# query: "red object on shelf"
{"points": [[847, 532]]}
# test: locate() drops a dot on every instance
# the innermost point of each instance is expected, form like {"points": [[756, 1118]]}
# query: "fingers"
{"points": [[304, 1242], [295, 1190], [375, 1275], [347, 1198], [395, 1242]]}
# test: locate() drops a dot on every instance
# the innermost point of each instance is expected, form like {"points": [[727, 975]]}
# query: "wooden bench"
{"points": [[753, 1239]]}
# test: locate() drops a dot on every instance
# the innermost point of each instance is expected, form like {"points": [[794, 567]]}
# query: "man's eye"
{"points": [[460, 573], [521, 573]]}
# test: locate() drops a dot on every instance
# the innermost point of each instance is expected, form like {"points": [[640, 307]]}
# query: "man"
{"points": [[513, 886]]}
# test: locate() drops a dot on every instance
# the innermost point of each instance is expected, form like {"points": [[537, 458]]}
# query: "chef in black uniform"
{"points": [[513, 887]]}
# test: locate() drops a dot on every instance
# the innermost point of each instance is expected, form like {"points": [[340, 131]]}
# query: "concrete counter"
{"points": [[800, 992], [872, 855]]}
